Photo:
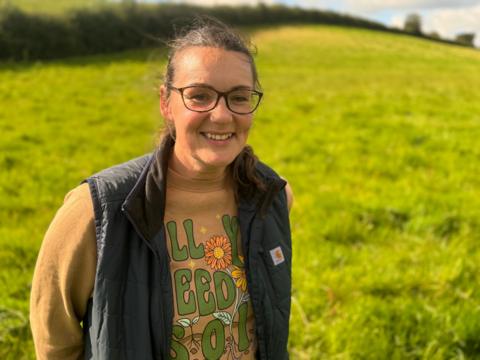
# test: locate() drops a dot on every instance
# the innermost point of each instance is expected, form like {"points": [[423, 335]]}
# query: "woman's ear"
{"points": [[164, 105]]}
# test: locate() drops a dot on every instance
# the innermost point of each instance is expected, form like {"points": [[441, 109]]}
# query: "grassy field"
{"points": [[378, 135], [54, 7]]}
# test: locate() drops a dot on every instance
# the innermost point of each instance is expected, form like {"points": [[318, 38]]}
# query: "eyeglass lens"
{"points": [[199, 98]]}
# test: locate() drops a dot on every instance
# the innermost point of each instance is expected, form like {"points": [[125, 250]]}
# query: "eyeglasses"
{"points": [[201, 98]]}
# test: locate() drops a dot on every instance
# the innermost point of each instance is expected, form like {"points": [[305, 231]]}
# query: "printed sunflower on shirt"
{"points": [[238, 274], [218, 252]]}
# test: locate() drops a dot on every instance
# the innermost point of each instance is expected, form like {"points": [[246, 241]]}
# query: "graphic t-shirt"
{"points": [[213, 315]]}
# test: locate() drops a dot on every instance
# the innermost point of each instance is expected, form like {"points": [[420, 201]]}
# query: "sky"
{"points": [[446, 17]]}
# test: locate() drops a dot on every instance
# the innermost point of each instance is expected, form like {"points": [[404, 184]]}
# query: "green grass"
{"points": [[53, 7], [378, 135]]}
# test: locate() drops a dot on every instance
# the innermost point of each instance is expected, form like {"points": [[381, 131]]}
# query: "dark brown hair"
{"points": [[210, 32]]}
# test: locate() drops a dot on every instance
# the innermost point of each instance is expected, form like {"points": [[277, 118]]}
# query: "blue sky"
{"points": [[447, 17]]}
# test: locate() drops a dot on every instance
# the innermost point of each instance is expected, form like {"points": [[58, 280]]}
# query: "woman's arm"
{"points": [[288, 190], [63, 279]]}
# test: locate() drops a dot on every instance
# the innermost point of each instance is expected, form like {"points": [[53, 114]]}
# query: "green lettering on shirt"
{"points": [[221, 279], [243, 340], [181, 351], [196, 252], [178, 254], [230, 224], [216, 332], [202, 285], [182, 285]]}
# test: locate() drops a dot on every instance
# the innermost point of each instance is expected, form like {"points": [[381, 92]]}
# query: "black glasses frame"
{"points": [[220, 94]]}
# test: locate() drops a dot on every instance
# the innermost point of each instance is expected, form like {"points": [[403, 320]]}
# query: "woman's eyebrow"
{"points": [[200, 84], [237, 87], [241, 87]]}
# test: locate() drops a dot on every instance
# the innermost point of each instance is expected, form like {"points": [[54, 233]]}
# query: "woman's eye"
{"points": [[239, 99], [202, 97]]}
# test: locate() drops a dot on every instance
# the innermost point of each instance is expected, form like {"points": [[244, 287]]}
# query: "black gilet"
{"points": [[130, 314]]}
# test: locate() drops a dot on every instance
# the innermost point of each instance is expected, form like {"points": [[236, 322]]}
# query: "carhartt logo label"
{"points": [[277, 255]]}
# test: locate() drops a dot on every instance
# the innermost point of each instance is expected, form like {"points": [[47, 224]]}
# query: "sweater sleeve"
{"points": [[63, 279]]}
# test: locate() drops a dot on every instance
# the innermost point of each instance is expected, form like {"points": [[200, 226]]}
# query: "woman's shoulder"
{"points": [[289, 191], [267, 171], [72, 229], [80, 193], [76, 210], [129, 168], [116, 182]]}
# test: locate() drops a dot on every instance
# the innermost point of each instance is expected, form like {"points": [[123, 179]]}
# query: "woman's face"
{"points": [[211, 140]]}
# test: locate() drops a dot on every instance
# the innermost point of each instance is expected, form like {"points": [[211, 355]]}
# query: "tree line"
{"points": [[117, 27], [413, 25]]}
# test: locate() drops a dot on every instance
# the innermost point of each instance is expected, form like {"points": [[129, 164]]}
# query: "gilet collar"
{"points": [[145, 204]]}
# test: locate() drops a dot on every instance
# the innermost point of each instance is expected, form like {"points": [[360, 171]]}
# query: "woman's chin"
{"points": [[217, 161]]}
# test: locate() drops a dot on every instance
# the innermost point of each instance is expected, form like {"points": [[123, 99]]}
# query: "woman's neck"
{"points": [[195, 171]]}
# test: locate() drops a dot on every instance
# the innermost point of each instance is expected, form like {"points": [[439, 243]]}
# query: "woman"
{"points": [[183, 253]]}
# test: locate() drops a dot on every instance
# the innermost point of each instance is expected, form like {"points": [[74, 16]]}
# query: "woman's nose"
{"points": [[221, 113]]}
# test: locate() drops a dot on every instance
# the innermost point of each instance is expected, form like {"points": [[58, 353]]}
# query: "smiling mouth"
{"points": [[218, 137]]}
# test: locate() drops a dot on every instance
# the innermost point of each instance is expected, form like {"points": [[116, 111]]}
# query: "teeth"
{"points": [[218, 136]]}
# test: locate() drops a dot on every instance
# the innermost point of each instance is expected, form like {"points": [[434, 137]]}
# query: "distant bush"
{"points": [[25, 36], [100, 31], [465, 39], [413, 24]]}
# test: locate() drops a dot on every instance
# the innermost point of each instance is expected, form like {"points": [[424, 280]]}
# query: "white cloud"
{"points": [[450, 22], [215, 2], [319, 4], [397, 21], [379, 5]]}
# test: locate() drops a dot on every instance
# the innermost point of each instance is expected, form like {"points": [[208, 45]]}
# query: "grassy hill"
{"points": [[54, 7], [378, 135]]}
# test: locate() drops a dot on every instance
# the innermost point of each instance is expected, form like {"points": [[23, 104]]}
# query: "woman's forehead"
{"points": [[213, 66]]}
